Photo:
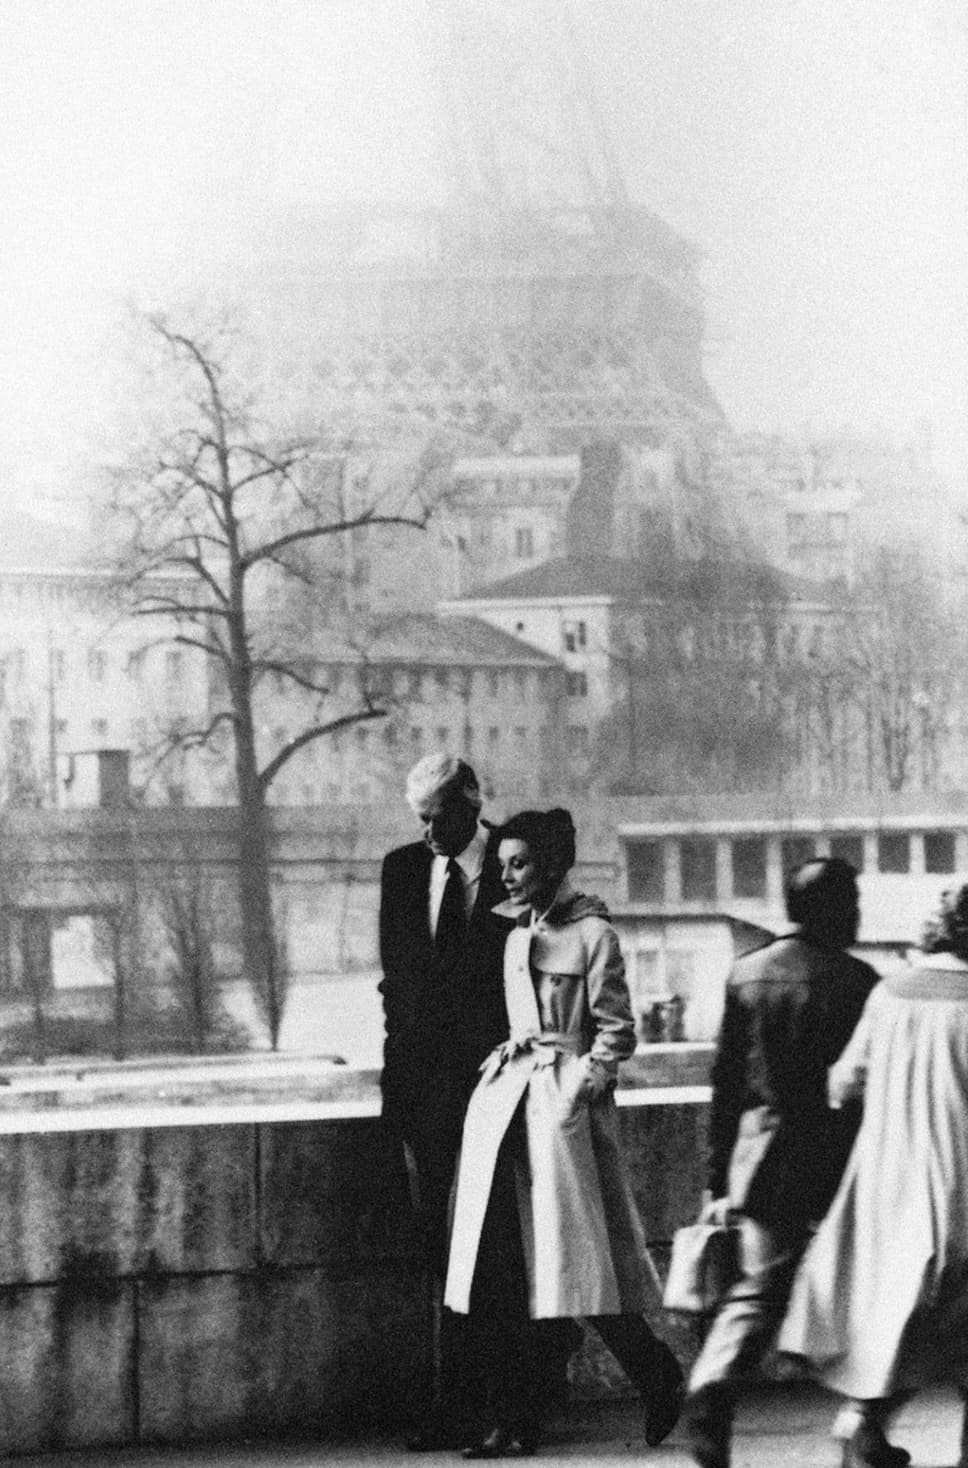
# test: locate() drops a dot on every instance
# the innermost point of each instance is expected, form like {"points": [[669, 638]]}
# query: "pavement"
{"points": [[784, 1427]]}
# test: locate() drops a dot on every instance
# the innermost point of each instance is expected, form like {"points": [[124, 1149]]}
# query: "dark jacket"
{"points": [[776, 1148], [440, 1022]]}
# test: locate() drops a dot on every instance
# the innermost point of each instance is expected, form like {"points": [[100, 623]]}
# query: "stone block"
{"points": [[222, 1356], [67, 1369], [111, 1203], [665, 1151], [333, 1191]]}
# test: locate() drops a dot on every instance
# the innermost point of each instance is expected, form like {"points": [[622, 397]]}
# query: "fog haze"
{"points": [[814, 150]]}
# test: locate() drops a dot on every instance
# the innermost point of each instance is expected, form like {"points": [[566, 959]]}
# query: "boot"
{"points": [[708, 1420], [860, 1427]]}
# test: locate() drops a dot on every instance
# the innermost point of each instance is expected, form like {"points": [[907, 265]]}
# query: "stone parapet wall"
{"points": [[192, 1280]]}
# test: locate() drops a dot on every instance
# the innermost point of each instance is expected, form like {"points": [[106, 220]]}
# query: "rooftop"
{"points": [[614, 578], [422, 637]]}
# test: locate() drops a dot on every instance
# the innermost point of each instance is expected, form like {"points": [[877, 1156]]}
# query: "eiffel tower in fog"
{"points": [[540, 306]]}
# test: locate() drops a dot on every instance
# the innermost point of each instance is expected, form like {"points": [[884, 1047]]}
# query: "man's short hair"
{"points": [[818, 888], [438, 772]]}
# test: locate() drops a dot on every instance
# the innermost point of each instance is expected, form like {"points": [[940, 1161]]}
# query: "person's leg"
{"points": [[739, 1335], [500, 1329], [963, 1455], [446, 1418], [650, 1365], [861, 1426]]}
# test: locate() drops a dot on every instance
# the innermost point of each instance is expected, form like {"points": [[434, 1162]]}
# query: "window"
{"points": [[362, 738], [442, 680], [389, 735], [493, 683], [749, 866], [644, 864], [849, 849], [174, 666], [415, 682], [796, 531], [96, 665], [794, 850], [523, 542], [578, 746], [939, 851], [576, 685], [443, 734], [893, 851], [521, 734], [493, 736], [416, 736], [521, 682], [576, 636], [136, 665], [698, 856], [58, 664]]}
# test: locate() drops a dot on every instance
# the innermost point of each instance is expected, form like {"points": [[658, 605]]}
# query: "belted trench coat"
{"points": [[549, 1090]]}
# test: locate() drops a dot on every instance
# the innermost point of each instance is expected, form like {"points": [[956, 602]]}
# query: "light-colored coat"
{"points": [[881, 1301], [570, 1026]]}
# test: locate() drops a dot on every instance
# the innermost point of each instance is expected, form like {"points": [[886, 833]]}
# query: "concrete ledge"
{"points": [[252, 1270]]}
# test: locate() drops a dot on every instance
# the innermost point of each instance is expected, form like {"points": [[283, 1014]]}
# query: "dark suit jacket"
{"points": [[440, 1022], [776, 1148]]}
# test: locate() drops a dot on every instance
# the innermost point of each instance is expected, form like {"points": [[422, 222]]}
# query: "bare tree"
{"points": [[219, 513], [905, 655]]}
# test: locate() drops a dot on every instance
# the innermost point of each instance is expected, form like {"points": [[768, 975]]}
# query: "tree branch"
{"points": [[271, 548], [271, 770]]}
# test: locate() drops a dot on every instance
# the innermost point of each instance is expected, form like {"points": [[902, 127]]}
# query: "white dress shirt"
{"points": [[470, 864]]}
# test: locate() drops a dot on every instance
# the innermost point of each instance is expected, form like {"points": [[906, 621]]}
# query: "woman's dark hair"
{"points": [[946, 931], [549, 834]]}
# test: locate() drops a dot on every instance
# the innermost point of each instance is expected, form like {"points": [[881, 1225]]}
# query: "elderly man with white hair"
{"points": [[441, 949]]}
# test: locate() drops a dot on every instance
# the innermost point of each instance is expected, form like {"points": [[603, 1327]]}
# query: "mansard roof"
{"points": [[612, 578], [423, 638]]}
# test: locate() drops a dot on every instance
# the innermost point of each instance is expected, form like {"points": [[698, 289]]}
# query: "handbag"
{"points": [[704, 1263]]}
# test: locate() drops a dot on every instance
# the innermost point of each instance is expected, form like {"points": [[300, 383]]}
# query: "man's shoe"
{"points": [[504, 1442], [663, 1399]]}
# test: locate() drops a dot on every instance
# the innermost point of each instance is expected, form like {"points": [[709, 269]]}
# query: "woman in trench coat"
{"points": [[880, 1306], [545, 1225]]}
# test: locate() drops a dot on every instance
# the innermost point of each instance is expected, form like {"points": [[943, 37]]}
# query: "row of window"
{"points": [[421, 682], [364, 736], [18, 663], [697, 861]]}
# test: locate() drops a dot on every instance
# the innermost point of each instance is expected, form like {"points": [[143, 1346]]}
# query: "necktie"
{"points": [[451, 919]]}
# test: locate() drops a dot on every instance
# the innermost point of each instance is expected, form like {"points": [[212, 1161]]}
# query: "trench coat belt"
{"points": [[544, 1047]]}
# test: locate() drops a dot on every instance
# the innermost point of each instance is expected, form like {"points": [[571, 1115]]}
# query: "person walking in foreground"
{"points": [[881, 1303], [441, 949], [776, 1148], [545, 1225]]}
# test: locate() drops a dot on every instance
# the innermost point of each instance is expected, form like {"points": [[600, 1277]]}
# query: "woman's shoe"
{"points": [[708, 1422], [504, 1442], [874, 1455], [663, 1399]]}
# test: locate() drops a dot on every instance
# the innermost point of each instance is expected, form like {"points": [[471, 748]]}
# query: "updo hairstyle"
{"points": [[549, 836]]}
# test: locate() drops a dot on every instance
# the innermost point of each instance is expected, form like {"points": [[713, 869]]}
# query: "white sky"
{"points": [[815, 149]]}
